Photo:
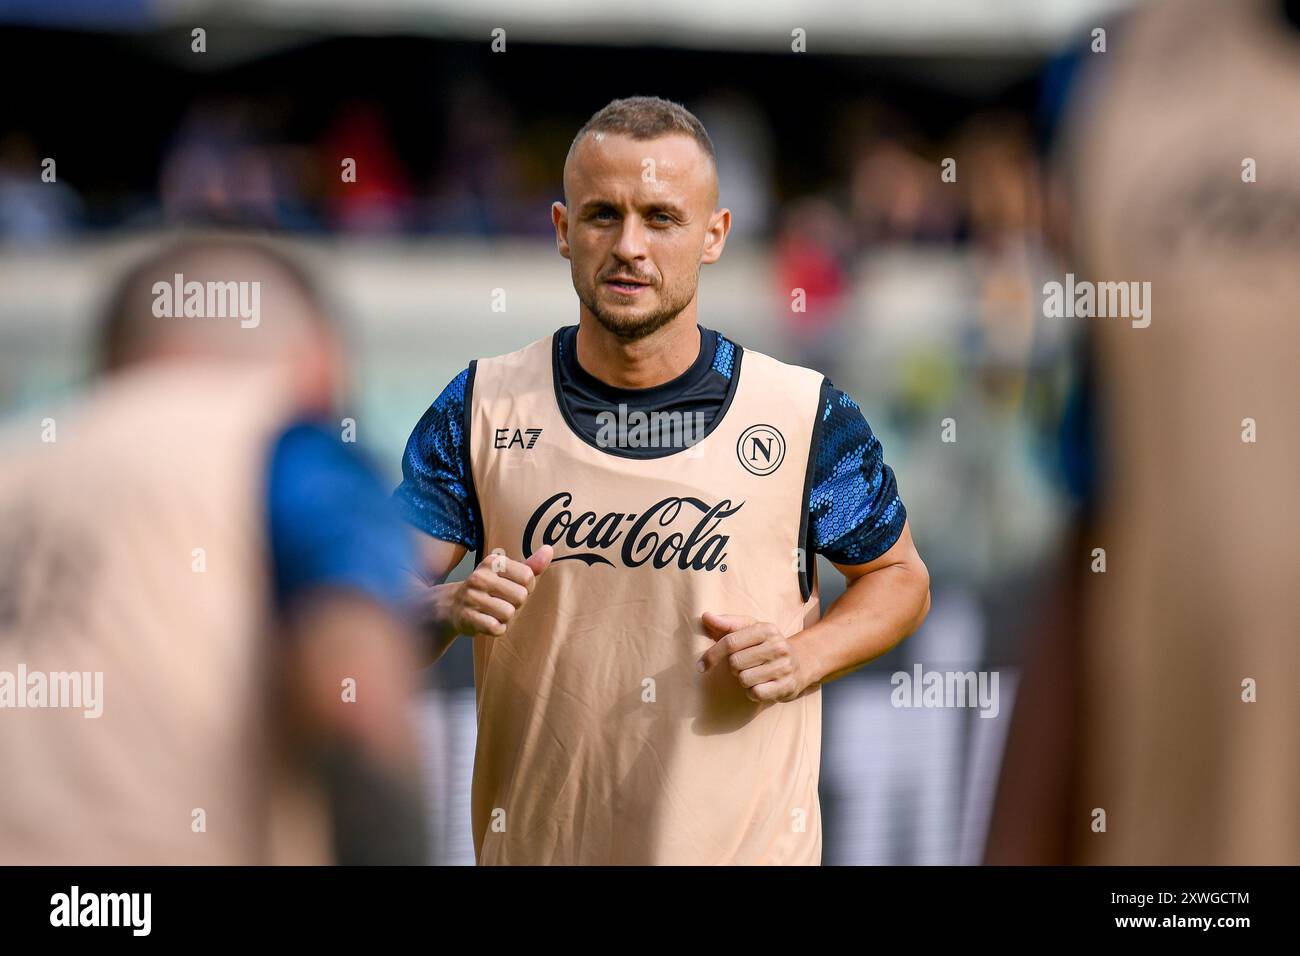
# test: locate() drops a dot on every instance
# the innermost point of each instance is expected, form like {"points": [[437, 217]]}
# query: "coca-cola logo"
{"points": [[633, 538]]}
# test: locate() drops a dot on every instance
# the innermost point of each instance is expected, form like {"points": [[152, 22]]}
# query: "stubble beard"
{"points": [[635, 327]]}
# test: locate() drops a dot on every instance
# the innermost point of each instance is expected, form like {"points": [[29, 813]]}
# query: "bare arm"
{"points": [[484, 603], [347, 674], [430, 596], [887, 599], [1030, 820]]}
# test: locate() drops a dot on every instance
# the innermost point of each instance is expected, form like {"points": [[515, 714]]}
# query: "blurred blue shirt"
{"points": [[332, 523]]}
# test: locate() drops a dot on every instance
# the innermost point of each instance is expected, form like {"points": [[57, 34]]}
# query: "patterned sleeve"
{"points": [[434, 495], [854, 507]]}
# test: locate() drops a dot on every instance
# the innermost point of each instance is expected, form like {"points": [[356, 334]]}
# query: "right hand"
{"points": [[486, 601]]}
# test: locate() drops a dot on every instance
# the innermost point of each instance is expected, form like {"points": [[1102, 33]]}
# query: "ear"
{"points": [[560, 218], [715, 236]]}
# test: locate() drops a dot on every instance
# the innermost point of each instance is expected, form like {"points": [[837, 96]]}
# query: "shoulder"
{"points": [[308, 441], [329, 517], [503, 380], [760, 363], [842, 426], [441, 422], [800, 388], [856, 510], [451, 400], [535, 348], [837, 400], [309, 461], [440, 431]]}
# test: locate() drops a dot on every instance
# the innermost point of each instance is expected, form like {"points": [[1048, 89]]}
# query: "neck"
{"points": [[659, 357]]}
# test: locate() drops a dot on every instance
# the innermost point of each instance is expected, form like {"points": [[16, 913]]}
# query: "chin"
{"points": [[626, 313], [629, 315], [629, 322]]}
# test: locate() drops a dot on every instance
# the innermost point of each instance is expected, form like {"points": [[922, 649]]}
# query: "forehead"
{"points": [[616, 163]]}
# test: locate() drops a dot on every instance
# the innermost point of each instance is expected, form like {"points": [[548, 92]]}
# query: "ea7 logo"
{"points": [[505, 438]]}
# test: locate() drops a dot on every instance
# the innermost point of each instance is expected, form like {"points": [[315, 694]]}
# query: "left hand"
{"points": [[767, 664]]}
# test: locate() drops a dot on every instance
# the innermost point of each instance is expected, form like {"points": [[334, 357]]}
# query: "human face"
{"points": [[639, 223]]}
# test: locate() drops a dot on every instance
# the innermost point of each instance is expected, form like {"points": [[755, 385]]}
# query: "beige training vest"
{"points": [[1199, 526], [598, 740], [100, 531]]}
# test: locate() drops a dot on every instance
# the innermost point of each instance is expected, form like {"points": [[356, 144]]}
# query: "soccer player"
{"points": [[195, 561], [648, 645]]}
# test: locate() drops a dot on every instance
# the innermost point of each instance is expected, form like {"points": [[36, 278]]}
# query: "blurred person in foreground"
{"points": [[648, 642], [1164, 695], [200, 657]]}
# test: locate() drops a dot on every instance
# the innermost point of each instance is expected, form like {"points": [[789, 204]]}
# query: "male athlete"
{"points": [[197, 540], [648, 652]]}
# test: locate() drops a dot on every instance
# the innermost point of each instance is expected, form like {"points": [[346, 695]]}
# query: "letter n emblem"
{"points": [[761, 449]]}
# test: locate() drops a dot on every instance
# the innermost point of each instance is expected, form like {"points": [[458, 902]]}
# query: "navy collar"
{"points": [[655, 394]]}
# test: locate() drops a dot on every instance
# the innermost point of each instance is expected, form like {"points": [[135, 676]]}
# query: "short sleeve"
{"points": [[435, 492], [853, 505]]}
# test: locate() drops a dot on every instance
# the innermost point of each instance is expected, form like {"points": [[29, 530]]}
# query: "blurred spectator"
{"points": [[1002, 192], [742, 141], [379, 199], [228, 164], [473, 189], [999, 179], [813, 263], [895, 192], [30, 208]]}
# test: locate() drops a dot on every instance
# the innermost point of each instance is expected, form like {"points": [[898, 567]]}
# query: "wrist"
{"points": [[809, 663], [441, 612]]}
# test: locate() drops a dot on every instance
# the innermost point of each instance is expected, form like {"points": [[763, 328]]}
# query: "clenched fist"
{"points": [[760, 657], [486, 601]]}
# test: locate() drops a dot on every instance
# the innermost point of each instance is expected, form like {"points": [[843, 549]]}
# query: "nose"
{"points": [[631, 245]]}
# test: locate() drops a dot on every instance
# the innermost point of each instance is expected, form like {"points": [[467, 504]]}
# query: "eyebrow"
{"points": [[591, 205]]}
